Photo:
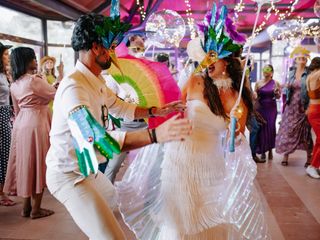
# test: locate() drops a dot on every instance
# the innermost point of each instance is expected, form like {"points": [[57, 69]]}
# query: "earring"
{"points": [[223, 73]]}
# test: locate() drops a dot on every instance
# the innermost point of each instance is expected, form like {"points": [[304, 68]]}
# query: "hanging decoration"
{"points": [[316, 8], [281, 16], [165, 28], [294, 30]]}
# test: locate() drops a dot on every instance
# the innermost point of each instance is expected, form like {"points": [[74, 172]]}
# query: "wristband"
{"points": [[154, 135], [150, 137]]}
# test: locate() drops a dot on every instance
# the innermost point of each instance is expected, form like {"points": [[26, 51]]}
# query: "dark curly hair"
{"points": [[211, 92], [2, 67], [20, 59], [84, 34], [315, 64]]}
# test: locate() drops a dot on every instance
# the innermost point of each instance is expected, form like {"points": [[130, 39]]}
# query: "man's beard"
{"points": [[103, 65]]}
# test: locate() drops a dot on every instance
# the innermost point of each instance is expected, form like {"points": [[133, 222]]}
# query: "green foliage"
{"points": [[114, 26]]}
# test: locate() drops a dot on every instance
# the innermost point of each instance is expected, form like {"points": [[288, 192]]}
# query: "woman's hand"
{"points": [[307, 111], [174, 129], [236, 112], [60, 68], [176, 106], [277, 93]]}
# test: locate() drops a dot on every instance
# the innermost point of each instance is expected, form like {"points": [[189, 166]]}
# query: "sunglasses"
{"points": [[105, 116]]}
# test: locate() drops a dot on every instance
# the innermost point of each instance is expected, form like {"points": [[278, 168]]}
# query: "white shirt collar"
{"points": [[92, 79]]}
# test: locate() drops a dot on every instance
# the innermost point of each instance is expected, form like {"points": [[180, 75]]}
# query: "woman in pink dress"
{"points": [[30, 134]]}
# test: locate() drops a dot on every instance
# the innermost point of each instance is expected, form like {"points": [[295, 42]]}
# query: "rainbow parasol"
{"points": [[149, 83]]}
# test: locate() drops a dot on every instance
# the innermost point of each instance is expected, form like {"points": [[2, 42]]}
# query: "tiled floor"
{"points": [[291, 199]]}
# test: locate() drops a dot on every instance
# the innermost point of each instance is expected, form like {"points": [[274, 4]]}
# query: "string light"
{"points": [[190, 19], [301, 31], [237, 9], [281, 16], [141, 10], [266, 17]]}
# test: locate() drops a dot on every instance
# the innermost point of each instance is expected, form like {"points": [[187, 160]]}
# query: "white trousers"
{"points": [[89, 202]]}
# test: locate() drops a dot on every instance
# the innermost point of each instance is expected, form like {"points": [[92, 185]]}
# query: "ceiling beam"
{"points": [[21, 8], [133, 11], [21, 39], [149, 5], [29, 10], [60, 8], [102, 6], [154, 8], [124, 8], [79, 6]]}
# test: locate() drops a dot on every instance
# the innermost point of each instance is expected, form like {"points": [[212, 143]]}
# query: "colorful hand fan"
{"points": [[150, 83]]}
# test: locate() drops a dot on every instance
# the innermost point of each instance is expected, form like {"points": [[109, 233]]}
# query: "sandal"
{"points": [[41, 213], [7, 202]]}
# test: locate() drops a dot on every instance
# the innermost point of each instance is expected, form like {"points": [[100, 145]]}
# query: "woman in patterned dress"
{"points": [[5, 125], [295, 131]]}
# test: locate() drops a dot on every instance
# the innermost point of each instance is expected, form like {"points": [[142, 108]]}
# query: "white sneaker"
{"points": [[312, 172]]}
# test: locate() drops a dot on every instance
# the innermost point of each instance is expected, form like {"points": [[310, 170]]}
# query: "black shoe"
{"points": [[284, 161], [258, 160], [263, 156]]}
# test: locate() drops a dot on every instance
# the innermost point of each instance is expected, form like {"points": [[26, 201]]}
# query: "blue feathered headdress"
{"points": [[220, 34]]}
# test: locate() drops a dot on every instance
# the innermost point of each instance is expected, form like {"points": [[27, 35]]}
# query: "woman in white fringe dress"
{"points": [[194, 189]]}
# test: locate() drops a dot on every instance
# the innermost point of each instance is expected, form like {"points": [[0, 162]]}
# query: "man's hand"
{"points": [[174, 129], [176, 106]]}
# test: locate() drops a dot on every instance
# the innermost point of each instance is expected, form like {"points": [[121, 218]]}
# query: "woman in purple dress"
{"points": [[295, 130], [267, 91]]}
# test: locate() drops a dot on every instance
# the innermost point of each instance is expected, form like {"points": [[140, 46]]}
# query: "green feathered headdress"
{"points": [[112, 31]]}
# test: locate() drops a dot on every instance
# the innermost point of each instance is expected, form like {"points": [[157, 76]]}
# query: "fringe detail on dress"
{"points": [[192, 190]]}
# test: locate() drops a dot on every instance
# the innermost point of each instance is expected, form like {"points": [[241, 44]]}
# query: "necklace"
{"points": [[223, 84]]}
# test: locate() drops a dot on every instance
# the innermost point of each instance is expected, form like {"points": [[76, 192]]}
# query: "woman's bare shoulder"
{"points": [[196, 79]]}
